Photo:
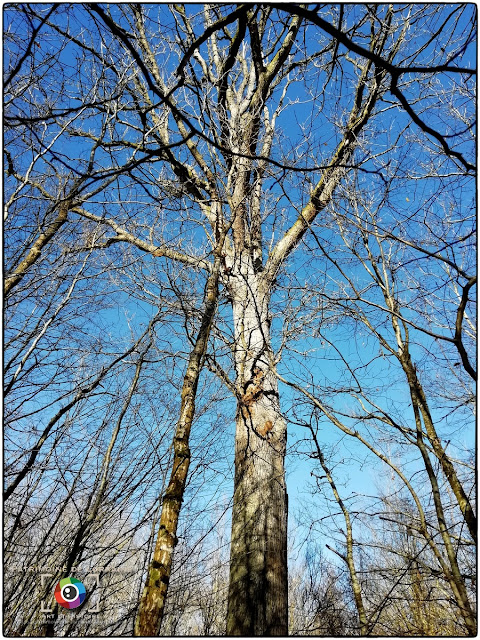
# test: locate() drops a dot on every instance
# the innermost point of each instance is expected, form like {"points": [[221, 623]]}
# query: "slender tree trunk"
{"points": [[388, 287], [348, 559], [417, 390], [43, 239], [152, 604], [258, 597], [455, 577], [445, 462]]}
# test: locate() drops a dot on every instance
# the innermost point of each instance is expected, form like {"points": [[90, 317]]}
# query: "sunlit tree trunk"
{"points": [[258, 563], [152, 603]]}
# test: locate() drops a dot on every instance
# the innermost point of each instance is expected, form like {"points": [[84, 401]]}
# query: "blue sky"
{"points": [[410, 202]]}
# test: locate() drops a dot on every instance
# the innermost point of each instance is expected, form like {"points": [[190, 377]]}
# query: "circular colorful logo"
{"points": [[70, 593]]}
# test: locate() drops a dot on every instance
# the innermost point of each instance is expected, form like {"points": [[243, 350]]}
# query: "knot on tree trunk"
{"points": [[253, 391], [253, 387]]}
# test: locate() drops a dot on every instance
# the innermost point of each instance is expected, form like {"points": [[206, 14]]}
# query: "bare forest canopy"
{"points": [[239, 318]]}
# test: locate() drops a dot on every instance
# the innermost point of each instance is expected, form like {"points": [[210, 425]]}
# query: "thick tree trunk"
{"points": [[258, 599]]}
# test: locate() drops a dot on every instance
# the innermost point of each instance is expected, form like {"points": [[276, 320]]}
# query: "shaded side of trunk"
{"points": [[258, 596], [152, 603]]}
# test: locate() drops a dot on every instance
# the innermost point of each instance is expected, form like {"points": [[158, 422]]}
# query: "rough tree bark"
{"points": [[258, 563]]}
